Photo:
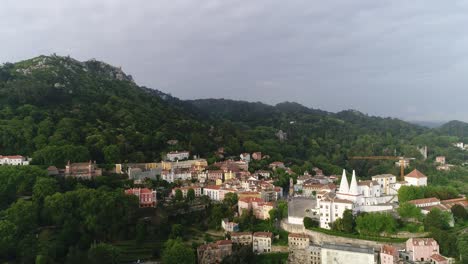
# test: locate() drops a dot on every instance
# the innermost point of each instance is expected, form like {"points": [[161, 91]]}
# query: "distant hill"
{"points": [[54, 107], [454, 128], [428, 124]]}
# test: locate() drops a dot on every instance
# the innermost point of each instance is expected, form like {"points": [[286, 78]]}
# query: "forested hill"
{"points": [[60, 109], [57, 109]]}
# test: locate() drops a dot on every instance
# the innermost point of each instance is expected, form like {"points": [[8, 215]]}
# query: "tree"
{"points": [[408, 193], [349, 222], [310, 223], [44, 187], [111, 154], [178, 195], [375, 223], [177, 253], [408, 210], [7, 237], [462, 245], [459, 212], [177, 231], [103, 253], [437, 219], [190, 194], [231, 199]]}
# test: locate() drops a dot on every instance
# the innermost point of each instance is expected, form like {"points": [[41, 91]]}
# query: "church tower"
{"points": [[353, 188], [344, 188]]}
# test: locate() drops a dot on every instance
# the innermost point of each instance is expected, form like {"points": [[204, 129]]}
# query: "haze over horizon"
{"points": [[404, 59]]}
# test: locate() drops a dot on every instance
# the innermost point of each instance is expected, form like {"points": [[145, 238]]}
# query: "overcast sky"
{"points": [[406, 59]]}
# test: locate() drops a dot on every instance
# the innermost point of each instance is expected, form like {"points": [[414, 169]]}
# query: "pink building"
{"points": [[146, 196], [85, 170], [388, 255], [260, 209], [421, 249]]}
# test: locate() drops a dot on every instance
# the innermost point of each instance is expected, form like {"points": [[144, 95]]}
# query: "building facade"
{"points": [[261, 242]]}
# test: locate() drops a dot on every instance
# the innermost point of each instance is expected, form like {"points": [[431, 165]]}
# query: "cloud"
{"points": [[380, 57]]}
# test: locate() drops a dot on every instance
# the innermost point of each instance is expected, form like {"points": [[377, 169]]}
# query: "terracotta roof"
{"points": [[263, 234], [298, 235], [461, 201], [224, 242], [438, 257], [416, 174], [424, 201], [213, 187], [389, 250], [11, 157], [235, 234], [250, 199]]}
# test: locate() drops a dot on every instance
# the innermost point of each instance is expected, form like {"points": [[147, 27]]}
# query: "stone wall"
{"points": [[320, 238]]}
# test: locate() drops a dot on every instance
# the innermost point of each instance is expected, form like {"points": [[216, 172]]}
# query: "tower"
{"points": [[353, 188], [344, 188]]}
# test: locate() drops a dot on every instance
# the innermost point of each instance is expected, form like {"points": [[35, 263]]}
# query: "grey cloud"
{"points": [[406, 59]]}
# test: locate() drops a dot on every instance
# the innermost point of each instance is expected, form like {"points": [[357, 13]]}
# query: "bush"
{"points": [[309, 223]]}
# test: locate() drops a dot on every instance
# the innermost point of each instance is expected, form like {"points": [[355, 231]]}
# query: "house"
{"points": [[229, 226], [263, 173], [214, 252], [385, 181], [389, 254], [86, 170], [241, 238], [425, 202], [13, 160], [214, 175], [277, 164], [439, 259], [213, 192], [52, 171], [440, 160], [416, 178], [176, 155], [185, 189], [298, 245], [330, 208], [261, 242], [257, 156], [175, 174], [259, 208], [349, 254], [146, 197], [421, 249], [245, 157]]}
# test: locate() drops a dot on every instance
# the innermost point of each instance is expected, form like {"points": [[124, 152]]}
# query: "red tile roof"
{"points": [[416, 174], [424, 201], [438, 257], [263, 234], [389, 250]]}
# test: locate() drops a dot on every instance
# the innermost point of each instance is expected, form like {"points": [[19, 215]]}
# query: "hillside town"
{"points": [[322, 200]]}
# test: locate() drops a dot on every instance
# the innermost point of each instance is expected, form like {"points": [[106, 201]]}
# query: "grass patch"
{"points": [[357, 236], [131, 251]]}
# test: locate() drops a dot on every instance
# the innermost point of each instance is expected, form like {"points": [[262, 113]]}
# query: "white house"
{"points": [[385, 181], [176, 155], [13, 160], [348, 254], [416, 178], [245, 157], [362, 193], [262, 242], [330, 208], [213, 192]]}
